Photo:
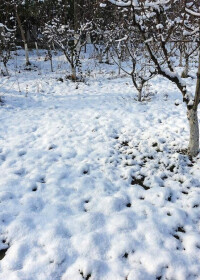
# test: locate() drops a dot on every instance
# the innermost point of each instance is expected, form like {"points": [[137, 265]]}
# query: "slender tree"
{"points": [[7, 44]]}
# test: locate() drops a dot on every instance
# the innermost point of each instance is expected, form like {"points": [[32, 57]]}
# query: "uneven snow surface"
{"points": [[93, 184]]}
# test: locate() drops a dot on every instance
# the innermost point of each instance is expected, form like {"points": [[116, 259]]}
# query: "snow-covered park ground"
{"points": [[93, 184]]}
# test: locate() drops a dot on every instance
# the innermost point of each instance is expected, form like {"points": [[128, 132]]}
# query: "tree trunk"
{"points": [[26, 54], [51, 62], [73, 69], [192, 114], [23, 37], [139, 95], [5, 66], [76, 15], [181, 56], [193, 147], [119, 66], [107, 57], [36, 46], [77, 42], [186, 69], [100, 56], [197, 90], [88, 38], [50, 58]]}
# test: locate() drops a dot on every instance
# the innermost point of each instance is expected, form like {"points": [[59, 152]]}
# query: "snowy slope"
{"points": [[93, 184]]}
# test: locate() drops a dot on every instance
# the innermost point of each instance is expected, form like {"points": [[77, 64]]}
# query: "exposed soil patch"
{"points": [[124, 144], [176, 236], [140, 182], [184, 192], [180, 229], [87, 277], [3, 253], [42, 180], [195, 206], [125, 255], [34, 189], [155, 144], [169, 198]]}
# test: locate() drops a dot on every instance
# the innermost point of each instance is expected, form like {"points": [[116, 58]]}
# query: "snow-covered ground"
{"points": [[93, 184]]}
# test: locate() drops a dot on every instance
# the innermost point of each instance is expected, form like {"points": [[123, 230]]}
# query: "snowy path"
{"points": [[92, 187]]}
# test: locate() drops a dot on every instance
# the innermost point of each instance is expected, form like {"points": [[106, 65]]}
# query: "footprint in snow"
{"points": [[21, 153]]}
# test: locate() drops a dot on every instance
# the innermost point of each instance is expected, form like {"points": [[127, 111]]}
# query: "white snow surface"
{"points": [[92, 183]]}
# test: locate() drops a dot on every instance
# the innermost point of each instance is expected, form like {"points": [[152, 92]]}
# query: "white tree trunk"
{"points": [[193, 147], [100, 56], [26, 54], [77, 42], [186, 69], [36, 46], [88, 38], [140, 95], [73, 69]]}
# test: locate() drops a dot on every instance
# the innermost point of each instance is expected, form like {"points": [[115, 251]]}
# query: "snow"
{"points": [[103, 5], [135, 3], [192, 12], [92, 183]]}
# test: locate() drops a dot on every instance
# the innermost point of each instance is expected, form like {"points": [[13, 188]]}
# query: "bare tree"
{"points": [[23, 35], [156, 24], [188, 50], [124, 41], [7, 44], [193, 109], [63, 37]]}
